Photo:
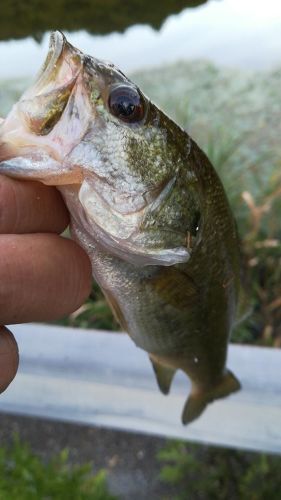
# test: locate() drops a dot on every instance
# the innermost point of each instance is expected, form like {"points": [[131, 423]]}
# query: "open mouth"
{"points": [[62, 65], [56, 45], [42, 106]]}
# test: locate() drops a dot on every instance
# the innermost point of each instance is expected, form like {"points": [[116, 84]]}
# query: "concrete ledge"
{"points": [[101, 378]]}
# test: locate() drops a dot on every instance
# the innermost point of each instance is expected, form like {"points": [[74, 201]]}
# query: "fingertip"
{"points": [[9, 358]]}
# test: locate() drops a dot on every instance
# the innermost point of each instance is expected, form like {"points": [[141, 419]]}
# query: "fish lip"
{"points": [[57, 42], [59, 50]]}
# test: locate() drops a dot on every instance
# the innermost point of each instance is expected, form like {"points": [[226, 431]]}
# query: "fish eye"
{"points": [[127, 104]]}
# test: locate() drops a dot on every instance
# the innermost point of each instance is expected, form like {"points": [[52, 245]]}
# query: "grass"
{"points": [[199, 473], [24, 476]]}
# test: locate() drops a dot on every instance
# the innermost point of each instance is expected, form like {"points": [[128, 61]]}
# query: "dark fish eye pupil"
{"points": [[125, 107], [126, 104]]}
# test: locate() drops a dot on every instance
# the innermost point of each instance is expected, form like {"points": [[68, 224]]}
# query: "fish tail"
{"points": [[199, 399]]}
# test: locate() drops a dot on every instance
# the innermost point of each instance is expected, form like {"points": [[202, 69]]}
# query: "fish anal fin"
{"points": [[199, 399], [164, 375], [194, 406]]}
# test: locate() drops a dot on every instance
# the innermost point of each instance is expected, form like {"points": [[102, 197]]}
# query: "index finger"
{"points": [[30, 207]]}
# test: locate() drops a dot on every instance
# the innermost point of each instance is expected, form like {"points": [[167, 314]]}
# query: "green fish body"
{"points": [[146, 205]]}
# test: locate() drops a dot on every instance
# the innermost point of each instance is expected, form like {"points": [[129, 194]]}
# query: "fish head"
{"points": [[87, 129]]}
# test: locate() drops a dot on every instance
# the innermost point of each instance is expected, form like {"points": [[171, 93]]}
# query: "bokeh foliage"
{"points": [[21, 19], [200, 472], [25, 476]]}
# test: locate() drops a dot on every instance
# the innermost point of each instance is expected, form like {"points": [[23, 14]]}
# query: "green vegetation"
{"points": [[21, 19], [200, 473], [24, 476]]}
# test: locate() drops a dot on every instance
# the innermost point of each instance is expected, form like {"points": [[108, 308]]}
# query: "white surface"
{"points": [[228, 32], [101, 378]]}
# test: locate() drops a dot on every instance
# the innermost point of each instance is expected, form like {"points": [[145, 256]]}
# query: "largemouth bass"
{"points": [[146, 205]]}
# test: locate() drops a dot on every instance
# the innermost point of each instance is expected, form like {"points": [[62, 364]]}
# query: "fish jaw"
{"points": [[42, 128]]}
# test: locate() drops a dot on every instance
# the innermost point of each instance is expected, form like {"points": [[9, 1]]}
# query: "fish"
{"points": [[145, 204]]}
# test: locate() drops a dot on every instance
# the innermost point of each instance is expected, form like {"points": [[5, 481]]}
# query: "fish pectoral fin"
{"points": [[199, 399], [164, 375]]}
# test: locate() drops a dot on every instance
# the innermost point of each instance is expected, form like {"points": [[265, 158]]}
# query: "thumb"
{"points": [[9, 358]]}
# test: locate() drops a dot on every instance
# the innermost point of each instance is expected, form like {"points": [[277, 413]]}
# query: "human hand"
{"points": [[43, 276]]}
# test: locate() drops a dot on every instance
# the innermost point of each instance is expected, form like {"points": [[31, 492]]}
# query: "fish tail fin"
{"points": [[164, 375], [199, 399]]}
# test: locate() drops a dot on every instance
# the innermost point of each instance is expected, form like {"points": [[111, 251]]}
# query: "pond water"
{"points": [[234, 33]]}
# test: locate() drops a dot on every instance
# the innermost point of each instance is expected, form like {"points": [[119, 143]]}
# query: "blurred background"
{"points": [[215, 67]]}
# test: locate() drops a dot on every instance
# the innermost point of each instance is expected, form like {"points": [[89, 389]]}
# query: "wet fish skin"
{"points": [[148, 208]]}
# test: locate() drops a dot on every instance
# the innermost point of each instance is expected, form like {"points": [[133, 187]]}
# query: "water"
{"points": [[235, 33]]}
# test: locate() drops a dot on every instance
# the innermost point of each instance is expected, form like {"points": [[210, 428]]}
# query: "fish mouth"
{"points": [[56, 45], [40, 109], [62, 64]]}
